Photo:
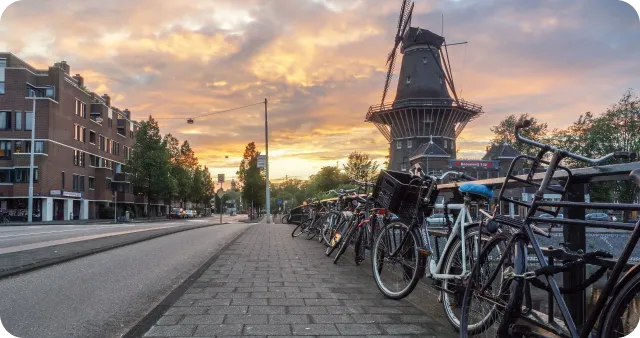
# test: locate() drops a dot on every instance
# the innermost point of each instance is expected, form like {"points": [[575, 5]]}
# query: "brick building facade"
{"points": [[81, 144]]}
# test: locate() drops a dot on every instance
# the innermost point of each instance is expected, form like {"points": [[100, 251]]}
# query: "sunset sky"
{"points": [[321, 63]]}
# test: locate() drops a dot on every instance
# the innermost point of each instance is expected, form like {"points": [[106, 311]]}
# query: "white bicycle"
{"points": [[407, 249]]}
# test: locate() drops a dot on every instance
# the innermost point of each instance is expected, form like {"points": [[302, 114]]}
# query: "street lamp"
{"points": [[31, 159], [266, 138]]}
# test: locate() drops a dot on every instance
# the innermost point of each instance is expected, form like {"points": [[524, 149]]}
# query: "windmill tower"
{"points": [[426, 117]]}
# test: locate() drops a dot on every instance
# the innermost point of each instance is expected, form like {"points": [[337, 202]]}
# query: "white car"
{"points": [[190, 214]]}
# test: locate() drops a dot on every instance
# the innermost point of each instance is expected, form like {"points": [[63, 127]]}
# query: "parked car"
{"points": [[550, 217], [177, 213], [598, 216], [439, 220], [190, 214]]}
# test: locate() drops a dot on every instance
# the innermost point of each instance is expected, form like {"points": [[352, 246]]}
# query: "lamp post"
{"points": [[266, 139], [31, 159]]}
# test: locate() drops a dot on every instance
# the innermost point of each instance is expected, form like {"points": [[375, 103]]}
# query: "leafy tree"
{"points": [[252, 179], [197, 192], [149, 162], [617, 129], [326, 179], [360, 167], [504, 132]]}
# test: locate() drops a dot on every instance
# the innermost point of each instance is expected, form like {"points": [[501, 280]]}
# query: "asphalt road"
{"points": [[105, 294], [14, 238]]}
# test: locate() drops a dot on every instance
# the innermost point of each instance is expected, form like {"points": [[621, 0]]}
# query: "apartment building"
{"points": [[81, 144]]}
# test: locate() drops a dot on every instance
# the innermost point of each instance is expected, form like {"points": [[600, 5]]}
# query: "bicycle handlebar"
{"points": [[524, 124], [342, 192]]}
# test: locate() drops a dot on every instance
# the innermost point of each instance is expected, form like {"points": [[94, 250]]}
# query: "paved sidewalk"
{"points": [[270, 284]]}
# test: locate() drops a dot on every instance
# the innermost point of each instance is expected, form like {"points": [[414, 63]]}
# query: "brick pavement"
{"points": [[270, 284]]}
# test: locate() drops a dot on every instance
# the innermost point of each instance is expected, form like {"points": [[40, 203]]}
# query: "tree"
{"points": [[360, 167], [504, 132], [251, 177], [326, 179], [617, 129], [198, 192], [149, 162]]}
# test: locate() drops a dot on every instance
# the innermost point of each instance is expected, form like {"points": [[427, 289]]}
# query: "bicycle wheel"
{"points": [[454, 288], [345, 241], [622, 316], [337, 236], [312, 231], [482, 309], [330, 224], [301, 228], [396, 277], [360, 245]]}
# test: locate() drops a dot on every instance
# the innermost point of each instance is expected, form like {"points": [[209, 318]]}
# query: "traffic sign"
{"points": [[220, 193], [220, 178], [279, 202], [262, 161]]}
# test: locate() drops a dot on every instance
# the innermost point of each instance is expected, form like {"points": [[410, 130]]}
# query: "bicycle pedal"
{"points": [[425, 252]]}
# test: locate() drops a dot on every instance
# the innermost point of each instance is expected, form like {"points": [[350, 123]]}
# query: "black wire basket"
{"points": [[399, 193]]}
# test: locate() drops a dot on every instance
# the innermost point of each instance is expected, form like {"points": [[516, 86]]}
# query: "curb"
{"points": [[140, 328], [119, 241]]}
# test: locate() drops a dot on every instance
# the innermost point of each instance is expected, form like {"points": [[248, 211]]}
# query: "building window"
{"points": [[92, 137], [63, 180], [3, 64], [446, 145], [101, 143], [18, 120], [75, 182], [22, 175], [39, 147], [110, 122], [5, 120], [108, 184], [18, 147], [5, 150], [5, 176], [81, 183], [28, 119], [81, 109], [399, 145], [409, 143], [403, 167], [78, 158], [92, 183], [83, 135]]}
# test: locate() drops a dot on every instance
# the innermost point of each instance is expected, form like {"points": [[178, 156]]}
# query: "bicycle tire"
{"points": [[359, 245], [378, 257], [452, 300], [312, 231], [344, 242], [335, 219], [611, 325], [335, 243], [481, 268], [301, 228]]}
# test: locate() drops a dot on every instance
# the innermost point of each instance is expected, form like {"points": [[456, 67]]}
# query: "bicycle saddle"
{"points": [[635, 175], [477, 189]]}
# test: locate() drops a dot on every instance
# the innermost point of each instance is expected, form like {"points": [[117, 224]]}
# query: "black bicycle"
{"points": [[497, 299]]}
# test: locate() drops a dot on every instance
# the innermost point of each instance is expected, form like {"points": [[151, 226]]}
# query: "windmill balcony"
{"points": [[417, 103]]}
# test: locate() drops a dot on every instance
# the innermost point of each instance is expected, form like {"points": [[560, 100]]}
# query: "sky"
{"points": [[321, 64]]}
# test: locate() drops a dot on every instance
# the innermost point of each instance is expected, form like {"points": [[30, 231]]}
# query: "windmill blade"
{"points": [[407, 20], [402, 15], [392, 64]]}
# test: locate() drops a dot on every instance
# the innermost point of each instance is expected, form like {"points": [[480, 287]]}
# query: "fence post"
{"points": [[575, 239]]}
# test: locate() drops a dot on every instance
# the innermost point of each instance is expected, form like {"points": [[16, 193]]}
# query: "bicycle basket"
{"points": [[399, 192]]}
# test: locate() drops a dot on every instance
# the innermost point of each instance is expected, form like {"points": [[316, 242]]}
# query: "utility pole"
{"points": [[266, 138], [31, 158]]}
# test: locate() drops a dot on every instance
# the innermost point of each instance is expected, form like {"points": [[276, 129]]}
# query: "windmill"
{"points": [[426, 116]]}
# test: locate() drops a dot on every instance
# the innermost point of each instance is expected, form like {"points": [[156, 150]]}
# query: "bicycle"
{"points": [[402, 252], [5, 218], [503, 292], [304, 226]]}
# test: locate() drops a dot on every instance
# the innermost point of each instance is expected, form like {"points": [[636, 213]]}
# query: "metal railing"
{"points": [[574, 235], [427, 102]]}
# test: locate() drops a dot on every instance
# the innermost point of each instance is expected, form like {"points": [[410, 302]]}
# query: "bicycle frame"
{"points": [[526, 233]]}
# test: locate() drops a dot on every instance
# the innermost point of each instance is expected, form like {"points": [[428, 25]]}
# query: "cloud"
{"points": [[321, 65]]}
